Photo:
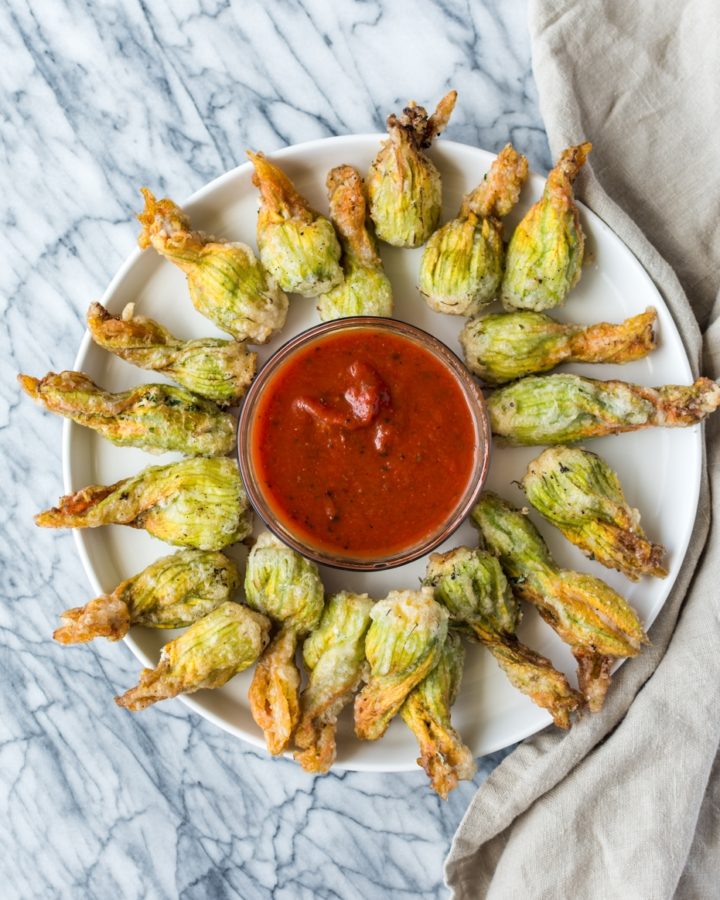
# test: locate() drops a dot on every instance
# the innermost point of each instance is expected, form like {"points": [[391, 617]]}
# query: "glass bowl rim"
{"points": [[473, 397]]}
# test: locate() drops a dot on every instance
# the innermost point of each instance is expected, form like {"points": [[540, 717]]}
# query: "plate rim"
{"points": [[542, 720]]}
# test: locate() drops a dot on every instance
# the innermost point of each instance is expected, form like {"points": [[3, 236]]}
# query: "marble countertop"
{"points": [[95, 100]]}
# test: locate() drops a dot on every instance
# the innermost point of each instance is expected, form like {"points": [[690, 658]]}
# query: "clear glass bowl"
{"points": [[480, 449]]}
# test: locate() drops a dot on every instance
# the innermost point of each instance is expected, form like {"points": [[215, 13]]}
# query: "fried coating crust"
{"points": [[403, 645], [227, 283], [172, 592], [403, 184], [213, 368], [286, 587], [443, 754], [348, 210], [545, 253], [585, 612], [579, 493], [155, 417], [334, 654], [500, 190], [365, 289], [107, 616], [274, 691], [560, 409], [471, 584], [534, 675], [280, 199], [417, 127], [506, 346], [605, 343], [207, 655], [197, 503], [297, 245], [594, 677]]}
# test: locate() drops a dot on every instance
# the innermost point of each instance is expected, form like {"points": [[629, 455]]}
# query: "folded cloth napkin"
{"points": [[627, 805]]}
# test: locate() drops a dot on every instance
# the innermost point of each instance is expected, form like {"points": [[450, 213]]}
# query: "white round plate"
{"points": [[659, 468]]}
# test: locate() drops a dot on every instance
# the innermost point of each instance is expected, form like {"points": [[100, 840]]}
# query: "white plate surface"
{"points": [[659, 468]]}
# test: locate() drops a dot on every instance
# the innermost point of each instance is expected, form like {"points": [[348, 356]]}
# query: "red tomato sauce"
{"points": [[363, 443]]}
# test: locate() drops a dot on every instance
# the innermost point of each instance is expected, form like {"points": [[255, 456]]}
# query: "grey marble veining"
{"points": [[96, 99]]}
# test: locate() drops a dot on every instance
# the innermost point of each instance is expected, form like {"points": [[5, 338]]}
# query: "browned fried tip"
{"points": [[443, 755], [274, 692], [150, 689], [316, 740], [147, 217], [263, 168], [573, 159], [97, 315], [44, 389], [107, 617], [348, 210], [159, 216], [419, 128], [704, 399], [347, 199], [127, 332], [344, 176], [535, 676], [678, 405], [632, 339], [594, 677], [499, 192], [277, 192], [99, 320], [439, 119], [30, 385], [72, 505], [442, 776], [631, 553]]}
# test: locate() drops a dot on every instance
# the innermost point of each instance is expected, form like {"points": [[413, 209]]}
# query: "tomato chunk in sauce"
{"points": [[363, 443]]}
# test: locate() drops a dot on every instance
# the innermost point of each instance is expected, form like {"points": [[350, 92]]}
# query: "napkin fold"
{"points": [[627, 804]]}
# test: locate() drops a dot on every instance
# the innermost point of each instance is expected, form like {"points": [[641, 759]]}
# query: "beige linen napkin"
{"points": [[627, 805]]}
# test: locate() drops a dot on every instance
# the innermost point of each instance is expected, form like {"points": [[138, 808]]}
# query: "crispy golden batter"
{"points": [[471, 584], [545, 254], [403, 184], [274, 691], [593, 673], [227, 283], [561, 409], [297, 245], [106, 616], [334, 654], [172, 592], [597, 623], [286, 587], [462, 264], [348, 210], [213, 368], [194, 503], [502, 347], [579, 493], [366, 289], [207, 655], [534, 675], [403, 645], [499, 191], [443, 755], [154, 417]]}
